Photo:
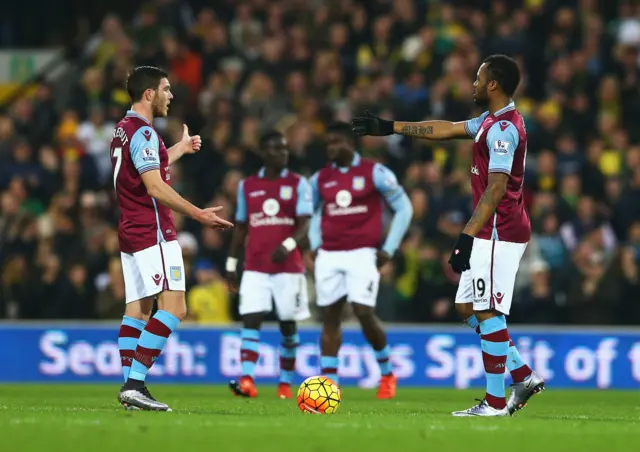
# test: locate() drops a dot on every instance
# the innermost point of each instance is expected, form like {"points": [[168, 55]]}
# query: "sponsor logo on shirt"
{"points": [[344, 198], [271, 207], [342, 206], [474, 170], [255, 194], [504, 125], [330, 184]]}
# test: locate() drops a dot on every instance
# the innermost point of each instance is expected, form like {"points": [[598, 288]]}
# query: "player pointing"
{"points": [[151, 257], [274, 207], [488, 251], [347, 232]]}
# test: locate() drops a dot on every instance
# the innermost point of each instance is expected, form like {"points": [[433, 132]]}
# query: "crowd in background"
{"points": [[239, 68]]}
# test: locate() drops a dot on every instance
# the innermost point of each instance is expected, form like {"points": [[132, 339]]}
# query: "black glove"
{"points": [[461, 254], [371, 125]]}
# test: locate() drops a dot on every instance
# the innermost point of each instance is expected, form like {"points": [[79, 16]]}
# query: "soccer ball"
{"points": [[319, 395]]}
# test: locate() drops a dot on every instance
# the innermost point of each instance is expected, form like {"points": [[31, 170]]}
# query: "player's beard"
{"points": [[481, 98], [160, 109]]}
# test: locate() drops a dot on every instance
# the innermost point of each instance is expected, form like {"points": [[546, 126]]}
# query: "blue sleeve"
{"points": [[304, 204], [315, 233], [473, 125], [241, 209], [315, 191], [502, 141], [387, 184], [145, 150]]}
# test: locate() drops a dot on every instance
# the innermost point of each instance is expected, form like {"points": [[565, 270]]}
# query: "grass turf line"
{"points": [[87, 417]]}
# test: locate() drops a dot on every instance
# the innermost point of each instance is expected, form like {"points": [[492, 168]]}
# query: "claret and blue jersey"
{"points": [[270, 209], [500, 146], [136, 149], [348, 205]]}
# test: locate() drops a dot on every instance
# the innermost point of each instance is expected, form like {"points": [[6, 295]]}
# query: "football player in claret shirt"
{"points": [[273, 211], [489, 249], [151, 256], [347, 231]]}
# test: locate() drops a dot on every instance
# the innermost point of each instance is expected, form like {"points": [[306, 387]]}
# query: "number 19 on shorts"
{"points": [[479, 288]]}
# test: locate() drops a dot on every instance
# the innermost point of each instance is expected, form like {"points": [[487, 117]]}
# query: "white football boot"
{"points": [[482, 409]]}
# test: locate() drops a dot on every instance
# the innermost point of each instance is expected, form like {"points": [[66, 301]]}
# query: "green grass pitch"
{"points": [[208, 418]]}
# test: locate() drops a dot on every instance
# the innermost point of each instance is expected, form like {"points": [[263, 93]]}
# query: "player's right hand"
{"points": [[371, 125], [207, 217], [232, 281]]}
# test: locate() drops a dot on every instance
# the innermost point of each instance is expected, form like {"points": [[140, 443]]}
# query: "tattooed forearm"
{"points": [[431, 130], [488, 203], [417, 131]]}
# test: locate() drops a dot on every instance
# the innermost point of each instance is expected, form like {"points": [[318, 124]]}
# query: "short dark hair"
{"points": [[344, 129], [143, 78], [504, 70], [268, 136]]}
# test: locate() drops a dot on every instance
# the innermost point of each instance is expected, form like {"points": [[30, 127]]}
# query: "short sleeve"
{"points": [[145, 149], [304, 203], [241, 209], [502, 140], [472, 125]]}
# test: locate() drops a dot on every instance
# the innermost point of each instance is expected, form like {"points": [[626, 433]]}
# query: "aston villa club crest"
{"points": [[286, 193], [176, 273], [358, 183]]}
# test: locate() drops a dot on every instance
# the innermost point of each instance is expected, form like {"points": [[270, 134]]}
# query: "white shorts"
{"points": [[353, 274], [288, 291], [490, 281], [152, 270]]}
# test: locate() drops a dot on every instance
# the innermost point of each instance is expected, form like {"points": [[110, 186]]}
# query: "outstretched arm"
{"points": [[145, 156], [431, 130]]}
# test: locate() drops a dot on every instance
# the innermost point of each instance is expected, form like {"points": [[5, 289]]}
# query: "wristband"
{"points": [[231, 265], [289, 244]]}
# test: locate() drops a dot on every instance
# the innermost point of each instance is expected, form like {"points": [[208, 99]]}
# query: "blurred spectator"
{"points": [[240, 68], [208, 299]]}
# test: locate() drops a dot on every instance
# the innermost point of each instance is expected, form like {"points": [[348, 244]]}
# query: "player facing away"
{"points": [[488, 251], [272, 216], [151, 257], [347, 231]]}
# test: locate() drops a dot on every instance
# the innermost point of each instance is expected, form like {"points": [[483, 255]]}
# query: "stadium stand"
{"points": [[240, 67]]}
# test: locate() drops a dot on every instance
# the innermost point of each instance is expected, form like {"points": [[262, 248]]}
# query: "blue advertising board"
{"points": [[421, 356]]}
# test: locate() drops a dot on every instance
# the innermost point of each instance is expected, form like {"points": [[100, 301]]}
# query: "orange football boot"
{"points": [[284, 391], [246, 387], [387, 388]]}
